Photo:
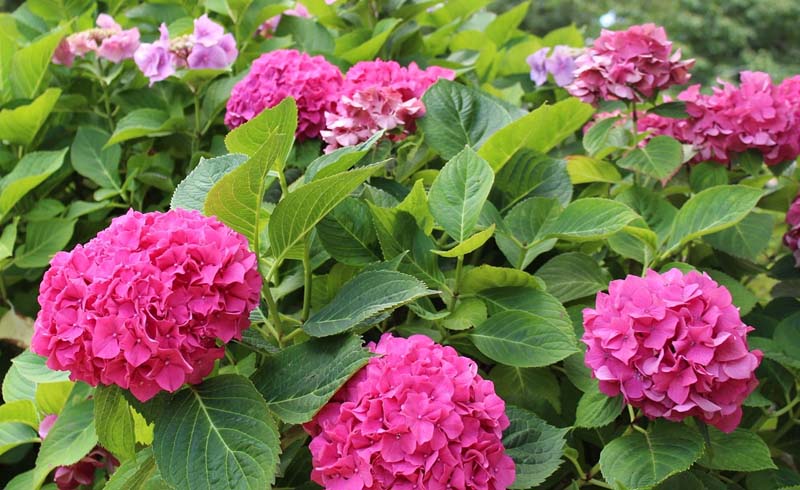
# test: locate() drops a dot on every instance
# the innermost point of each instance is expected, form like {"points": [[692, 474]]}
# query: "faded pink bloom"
{"points": [[119, 46], [268, 28], [143, 304], [211, 47], [314, 83], [83, 472], [108, 40], [758, 115], [674, 345], [417, 416], [155, 59], [628, 65], [792, 236], [379, 95]]}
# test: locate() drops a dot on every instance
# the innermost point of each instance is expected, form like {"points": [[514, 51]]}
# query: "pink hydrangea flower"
{"points": [[379, 95], [758, 115], [314, 83], [417, 416], [268, 28], [108, 40], [792, 237], [674, 345], [143, 304], [211, 47], [628, 65], [155, 59], [83, 472]]}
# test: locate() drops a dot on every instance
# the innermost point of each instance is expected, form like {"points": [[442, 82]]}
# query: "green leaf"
{"points": [[457, 116], [573, 275], [596, 409], [58, 9], [653, 208], [114, 422], [29, 65], [363, 297], [347, 233], [93, 160], [7, 240], [541, 130], [237, 197], [746, 239], [218, 434], [43, 240], [675, 110], [706, 175], [416, 204], [51, 397], [521, 239], [539, 303], [532, 174], [525, 387], [21, 411], [21, 124], [604, 137], [69, 440], [640, 461], [134, 473], [503, 26], [578, 374], [534, 445], [300, 379], [141, 122], [590, 219], [191, 193], [522, 339], [309, 36], [486, 276], [299, 212], [740, 450], [660, 158], [468, 313], [458, 193], [340, 160], [469, 245], [585, 170], [711, 211], [369, 48], [33, 368], [13, 434], [29, 172]]}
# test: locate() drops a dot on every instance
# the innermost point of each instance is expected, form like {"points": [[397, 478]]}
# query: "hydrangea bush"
{"points": [[362, 245]]}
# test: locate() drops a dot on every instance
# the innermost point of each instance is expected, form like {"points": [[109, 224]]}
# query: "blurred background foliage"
{"points": [[725, 36]]}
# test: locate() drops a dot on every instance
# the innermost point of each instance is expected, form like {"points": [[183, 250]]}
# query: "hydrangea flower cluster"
{"points": [[792, 237], [207, 47], [758, 115], [379, 95], [143, 304], [312, 81], [417, 416], [630, 65], [674, 345], [558, 61], [108, 40], [83, 472], [268, 28]]}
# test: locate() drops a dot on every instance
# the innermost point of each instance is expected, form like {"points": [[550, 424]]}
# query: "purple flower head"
{"points": [[155, 59], [537, 62], [561, 64]]}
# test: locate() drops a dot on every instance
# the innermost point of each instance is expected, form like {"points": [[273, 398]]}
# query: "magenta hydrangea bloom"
{"points": [[417, 416], [632, 65], [143, 304], [314, 83], [108, 40], [792, 237], [268, 28], [674, 345], [379, 95], [83, 472]]}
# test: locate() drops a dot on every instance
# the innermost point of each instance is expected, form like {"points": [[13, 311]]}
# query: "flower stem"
{"points": [[307, 277], [457, 284], [599, 483], [197, 130]]}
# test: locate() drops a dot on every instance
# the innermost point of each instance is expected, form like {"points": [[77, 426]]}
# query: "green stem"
{"points": [[787, 408], [291, 335], [599, 483], [198, 134], [307, 276], [457, 284], [577, 466], [106, 97], [284, 185]]}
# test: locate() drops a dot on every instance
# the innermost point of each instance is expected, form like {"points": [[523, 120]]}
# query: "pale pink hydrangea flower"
{"points": [[792, 237], [758, 115], [108, 40], [379, 95], [155, 59], [314, 83], [143, 304], [268, 28], [416, 416], [81, 473], [674, 345], [629, 65]]}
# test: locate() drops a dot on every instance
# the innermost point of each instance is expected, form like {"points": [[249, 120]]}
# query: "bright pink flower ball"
{"points": [[628, 65], [379, 95], [417, 416], [674, 345], [312, 81], [143, 304], [792, 237]]}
